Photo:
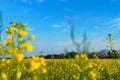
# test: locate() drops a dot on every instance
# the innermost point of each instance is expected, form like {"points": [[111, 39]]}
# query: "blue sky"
{"points": [[47, 20]]}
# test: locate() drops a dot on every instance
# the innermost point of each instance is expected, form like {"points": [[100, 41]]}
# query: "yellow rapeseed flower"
{"points": [[35, 78], [31, 37], [34, 65], [22, 33], [21, 25], [3, 59], [13, 24], [29, 47], [35, 58], [8, 61], [18, 57], [77, 57], [9, 31], [111, 51], [44, 70], [26, 45], [12, 50], [4, 76], [94, 49], [90, 65], [84, 56], [113, 44], [18, 38], [93, 75], [108, 42], [15, 29], [9, 40], [18, 75]]}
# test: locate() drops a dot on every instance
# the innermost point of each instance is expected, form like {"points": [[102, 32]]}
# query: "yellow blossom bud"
{"points": [[113, 44], [77, 57], [18, 38], [21, 25], [9, 31], [26, 45], [22, 33], [111, 51], [31, 37], [13, 24], [44, 70], [9, 40], [94, 49]]}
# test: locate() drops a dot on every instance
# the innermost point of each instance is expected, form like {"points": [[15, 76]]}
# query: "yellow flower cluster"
{"points": [[26, 45], [22, 33], [93, 75], [13, 24], [18, 57], [4, 76], [9, 31], [9, 41], [15, 45], [38, 63], [81, 56], [61, 69]]}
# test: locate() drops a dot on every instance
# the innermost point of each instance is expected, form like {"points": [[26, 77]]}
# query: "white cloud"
{"points": [[64, 26], [115, 23], [116, 20], [113, 26]]}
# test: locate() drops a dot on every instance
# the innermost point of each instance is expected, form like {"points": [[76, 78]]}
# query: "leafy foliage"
{"points": [[113, 54]]}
